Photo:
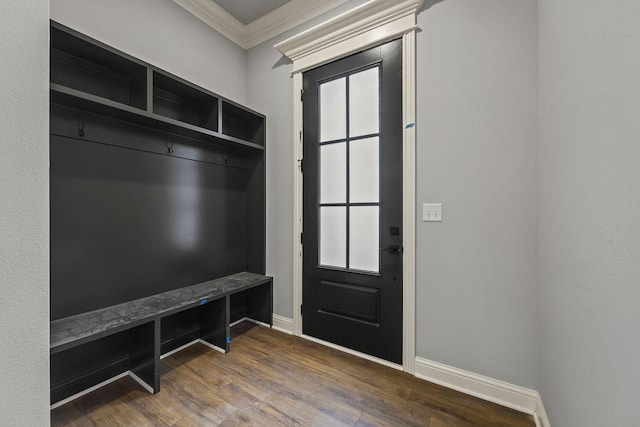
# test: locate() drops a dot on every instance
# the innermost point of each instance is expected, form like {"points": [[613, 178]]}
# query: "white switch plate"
{"points": [[432, 212]]}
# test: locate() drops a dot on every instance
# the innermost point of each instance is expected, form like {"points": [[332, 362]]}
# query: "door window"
{"points": [[349, 193]]}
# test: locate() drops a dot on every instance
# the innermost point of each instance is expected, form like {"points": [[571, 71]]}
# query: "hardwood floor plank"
{"points": [[72, 416], [465, 407], [445, 420], [306, 413], [270, 378], [387, 420]]}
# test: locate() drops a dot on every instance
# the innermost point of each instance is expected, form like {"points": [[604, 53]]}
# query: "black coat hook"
{"points": [[170, 149], [81, 130]]}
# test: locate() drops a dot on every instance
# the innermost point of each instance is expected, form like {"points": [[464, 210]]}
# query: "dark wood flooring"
{"points": [[269, 379]]}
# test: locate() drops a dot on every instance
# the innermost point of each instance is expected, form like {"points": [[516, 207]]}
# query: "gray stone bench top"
{"points": [[81, 328]]}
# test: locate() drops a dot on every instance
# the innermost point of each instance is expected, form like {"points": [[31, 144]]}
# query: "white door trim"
{"points": [[370, 24]]}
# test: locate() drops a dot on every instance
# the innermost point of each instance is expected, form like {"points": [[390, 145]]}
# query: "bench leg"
{"points": [[214, 323], [144, 351], [259, 303]]}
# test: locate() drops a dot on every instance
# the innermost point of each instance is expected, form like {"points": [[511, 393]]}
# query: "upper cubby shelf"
{"points": [[87, 67], [239, 123], [88, 75], [184, 103]]}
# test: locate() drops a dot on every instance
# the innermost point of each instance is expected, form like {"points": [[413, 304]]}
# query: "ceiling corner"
{"points": [[217, 18], [274, 23]]}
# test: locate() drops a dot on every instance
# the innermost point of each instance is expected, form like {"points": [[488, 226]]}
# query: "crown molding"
{"points": [[369, 24], [286, 17], [276, 22], [217, 18]]}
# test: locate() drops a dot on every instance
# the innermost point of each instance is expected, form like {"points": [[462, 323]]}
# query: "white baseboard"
{"points": [[175, 350], [211, 346], [89, 390], [283, 324], [486, 388], [232, 324], [257, 322], [141, 382], [540, 415]]}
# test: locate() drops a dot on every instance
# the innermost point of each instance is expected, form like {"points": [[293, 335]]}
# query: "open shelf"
{"points": [[242, 124], [89, 68], [89, 75], [182, 102], [87, 102]]}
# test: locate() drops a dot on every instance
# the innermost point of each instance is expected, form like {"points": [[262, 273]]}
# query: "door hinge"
{"points": [[301, 165], [301, 238], [301, 310], [301, 95]]}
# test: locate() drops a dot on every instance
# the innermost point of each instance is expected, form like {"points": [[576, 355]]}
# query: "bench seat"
{"points": [[141, 319]]}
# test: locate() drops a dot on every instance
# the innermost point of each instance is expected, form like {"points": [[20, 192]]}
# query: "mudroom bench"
{"points": [[90, 349]]}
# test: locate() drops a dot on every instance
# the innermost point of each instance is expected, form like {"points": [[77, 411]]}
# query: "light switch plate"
{"points": [[432, 212]]}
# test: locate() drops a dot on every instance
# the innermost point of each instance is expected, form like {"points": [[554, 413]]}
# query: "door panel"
{"points": [[352, 202]]}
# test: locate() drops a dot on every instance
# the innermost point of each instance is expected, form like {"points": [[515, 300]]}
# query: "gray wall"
{"points": [[270, 91], [589, 211], [476, 154], [163, 34], [477, 82], [24, 203]]}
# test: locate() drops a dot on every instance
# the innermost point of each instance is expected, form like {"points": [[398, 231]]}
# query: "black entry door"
{"points": [[352, 202]]}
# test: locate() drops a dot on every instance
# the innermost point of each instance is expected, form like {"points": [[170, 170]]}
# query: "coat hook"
{"points": [[226, 160], [81, 130], [170, 149]]}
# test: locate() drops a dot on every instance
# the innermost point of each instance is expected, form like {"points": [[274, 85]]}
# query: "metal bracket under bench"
{"points": [[91, 348]]}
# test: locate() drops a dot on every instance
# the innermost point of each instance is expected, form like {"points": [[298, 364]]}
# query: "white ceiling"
{"points": [[247, 11], [251, 22]]}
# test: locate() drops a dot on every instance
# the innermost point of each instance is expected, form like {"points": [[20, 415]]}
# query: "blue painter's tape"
{"points": [[228, 340], [409, 126], [203, 301]]}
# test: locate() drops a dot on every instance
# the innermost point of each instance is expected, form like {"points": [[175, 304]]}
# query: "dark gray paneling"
{"points": [[256, 215], [126, 224]]}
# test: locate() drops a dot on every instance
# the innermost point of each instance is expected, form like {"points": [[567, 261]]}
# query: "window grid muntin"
{"points": [[348, 139]]}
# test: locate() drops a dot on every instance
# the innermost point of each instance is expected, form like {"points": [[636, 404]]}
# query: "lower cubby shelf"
{"points": [[91, 348], [208, 322]]}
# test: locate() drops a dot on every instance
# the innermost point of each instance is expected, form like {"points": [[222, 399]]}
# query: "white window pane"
{"points": [[333, 236], [333, 173], [364, 171], [333, 110], [364, 102], [364, 239]]}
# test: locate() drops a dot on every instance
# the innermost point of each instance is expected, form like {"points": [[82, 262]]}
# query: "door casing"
{"points": [[375, 23]]}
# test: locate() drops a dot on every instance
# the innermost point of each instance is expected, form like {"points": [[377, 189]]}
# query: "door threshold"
{"points": [[354, 353]]}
